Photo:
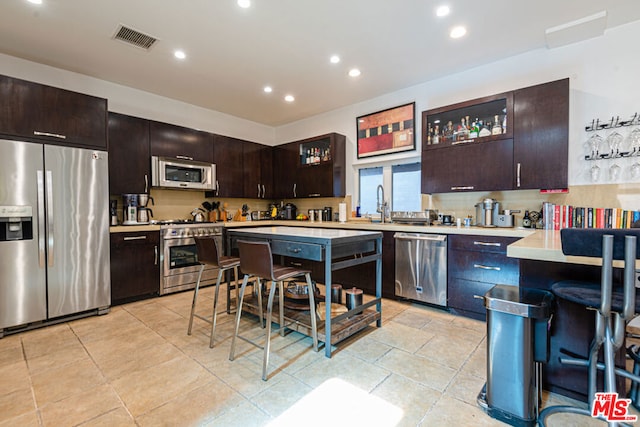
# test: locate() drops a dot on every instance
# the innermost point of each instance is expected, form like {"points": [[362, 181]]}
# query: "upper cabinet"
{"points": [[129, 158], [51, 115], [258, 171], [179, 142], [227, 155], [514, 140], [541, 135], [314, 167]]}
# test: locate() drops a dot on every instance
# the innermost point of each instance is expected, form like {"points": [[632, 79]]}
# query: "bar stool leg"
{"points": [[267, 344], [281, 306], [215, 307], [238, 313], [312, 308], [260, 310], [195, 297]]}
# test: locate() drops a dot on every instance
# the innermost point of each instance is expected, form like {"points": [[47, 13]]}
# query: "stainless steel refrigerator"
{"points": [[54, 233]]}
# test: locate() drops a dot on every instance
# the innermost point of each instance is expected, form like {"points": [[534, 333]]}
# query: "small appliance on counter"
{"points": [[113, 212], [488, 214], [260, 215], [426, 217], [288, 211], [130, 209]]}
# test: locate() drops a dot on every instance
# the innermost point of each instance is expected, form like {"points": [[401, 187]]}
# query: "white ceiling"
{"points": [[232, 52]]}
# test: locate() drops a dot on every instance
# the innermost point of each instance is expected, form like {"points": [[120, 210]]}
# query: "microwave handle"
{"points": [[184, 158]]}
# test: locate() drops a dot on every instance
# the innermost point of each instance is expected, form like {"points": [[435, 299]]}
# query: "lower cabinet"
{"points": [[474, 265], [135, 266]]}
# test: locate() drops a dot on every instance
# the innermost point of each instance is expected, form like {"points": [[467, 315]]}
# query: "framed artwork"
{"points": [[388, 131]]}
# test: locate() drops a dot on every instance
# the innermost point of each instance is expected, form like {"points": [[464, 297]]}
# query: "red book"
{"points": [[599, 218], [556, 217]]}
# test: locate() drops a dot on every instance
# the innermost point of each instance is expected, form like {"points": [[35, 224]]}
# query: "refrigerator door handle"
{"points": [[50, 232], [41, 230]]}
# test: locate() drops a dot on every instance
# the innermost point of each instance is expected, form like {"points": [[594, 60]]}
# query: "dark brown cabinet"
{"points": [[313, 167], [129, 158], [528, 150], [228, 157], [135, 266], [167, 140], [541, 135], [52, 115], [257, 167], [474, 265], [472, 167]]}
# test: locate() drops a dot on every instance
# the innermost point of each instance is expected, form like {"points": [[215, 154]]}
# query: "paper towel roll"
{"points": [[342, 212]]}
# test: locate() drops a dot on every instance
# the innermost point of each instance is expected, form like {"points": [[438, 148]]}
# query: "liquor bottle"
{"points": [[463, 132], [316, 158], [496, 129], [484, 131], [308, 159], [429, 134], [448, 132], [526, 220], [504, 124], [436, 135], [473, 131]]}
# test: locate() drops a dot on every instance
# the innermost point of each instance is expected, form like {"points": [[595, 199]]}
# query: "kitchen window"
{"points": [[401, 184]]}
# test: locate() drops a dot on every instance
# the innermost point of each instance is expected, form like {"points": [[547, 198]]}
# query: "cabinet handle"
{"points": [[258, 191], [314, 195], [184, 157], [217, 188], [487, 244], [462, 187], [518, 167], [53, 135], [263, 192], [294, 250], [296, 264], [146, 183], [155, 254], [136, 238], [486, 267], [294, 190]]}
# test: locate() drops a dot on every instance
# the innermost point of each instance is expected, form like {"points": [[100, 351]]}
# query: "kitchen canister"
{"points": [[336, 294], [342, 212], [354, 298]]}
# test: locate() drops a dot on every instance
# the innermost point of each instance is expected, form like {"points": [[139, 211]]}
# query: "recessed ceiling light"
{"points": [[244, 3], [179, 54], [457, 32], [35, 1], [442, 11], [354, 72], [268, 89], [334, 59], [289, 98]]}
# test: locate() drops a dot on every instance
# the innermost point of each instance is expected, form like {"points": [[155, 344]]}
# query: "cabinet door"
{"points": [[541, 136], [52, 115], [168, 140], [470, 167], [227, 153], [285, 166], [315, 181], [135, 266], [129, 161], [266, 172], [252, 166]]}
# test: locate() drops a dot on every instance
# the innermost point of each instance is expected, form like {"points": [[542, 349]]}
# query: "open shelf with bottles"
{"points": [[480, 120], [316, 151]]}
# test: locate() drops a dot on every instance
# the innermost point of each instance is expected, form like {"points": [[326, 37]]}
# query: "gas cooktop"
{"points": [[178, 222]]}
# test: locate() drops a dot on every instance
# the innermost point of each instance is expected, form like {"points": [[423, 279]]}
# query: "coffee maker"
{"points": [[488, 214], [130, 209], [113, 211]]}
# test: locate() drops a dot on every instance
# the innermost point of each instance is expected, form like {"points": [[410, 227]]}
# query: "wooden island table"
{"points": [[337, 249]]}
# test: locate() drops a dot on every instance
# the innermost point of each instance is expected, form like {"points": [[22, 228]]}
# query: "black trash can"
{"points": [[517, 344]]}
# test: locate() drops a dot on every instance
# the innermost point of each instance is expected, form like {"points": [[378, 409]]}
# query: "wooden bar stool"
{"points": [[613, 306], [256, 260], [210, 254]]}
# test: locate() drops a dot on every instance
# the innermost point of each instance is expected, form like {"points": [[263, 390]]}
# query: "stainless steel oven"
{"points": [[180, 264]]}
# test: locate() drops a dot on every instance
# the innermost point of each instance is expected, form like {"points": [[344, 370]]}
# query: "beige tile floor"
{"points": [[136, 366]]}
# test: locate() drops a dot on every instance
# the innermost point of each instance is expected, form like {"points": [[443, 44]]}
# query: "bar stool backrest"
{"points": [[208, 251], [588, 241], [256, 259]]}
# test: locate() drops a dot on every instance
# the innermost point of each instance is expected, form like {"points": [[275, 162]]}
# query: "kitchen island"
{"points": [[337, 249]]}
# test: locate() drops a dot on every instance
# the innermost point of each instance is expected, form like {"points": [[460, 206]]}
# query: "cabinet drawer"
{"points": [[135, 238], [308, 251], [461, 294], [484, 267], [481, 243]]}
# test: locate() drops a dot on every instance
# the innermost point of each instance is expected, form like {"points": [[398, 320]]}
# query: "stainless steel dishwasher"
{"points": [[421, 267]]}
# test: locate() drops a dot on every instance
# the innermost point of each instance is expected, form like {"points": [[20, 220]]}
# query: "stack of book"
{"points": [[556, 217]]}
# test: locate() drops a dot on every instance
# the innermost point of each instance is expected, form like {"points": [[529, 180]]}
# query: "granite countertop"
{"points": [[545, 245], [357, 225]]}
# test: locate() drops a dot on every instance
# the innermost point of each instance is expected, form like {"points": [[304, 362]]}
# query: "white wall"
{"points": [[123, 99], [604, 81]]}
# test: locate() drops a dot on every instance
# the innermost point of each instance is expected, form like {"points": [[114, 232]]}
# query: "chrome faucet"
{"points": [[381, 207]]}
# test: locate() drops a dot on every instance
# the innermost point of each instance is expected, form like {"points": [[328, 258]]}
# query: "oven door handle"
{"points": [[155, 254]]}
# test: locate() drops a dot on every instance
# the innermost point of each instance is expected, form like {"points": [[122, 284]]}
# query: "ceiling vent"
{"points": [[134, 37]]}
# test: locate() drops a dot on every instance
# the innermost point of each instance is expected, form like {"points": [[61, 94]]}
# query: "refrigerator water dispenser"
{"points": [[16, 223]]}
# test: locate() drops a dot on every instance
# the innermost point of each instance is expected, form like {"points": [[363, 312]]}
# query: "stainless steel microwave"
{"points": [[167, 172]]}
